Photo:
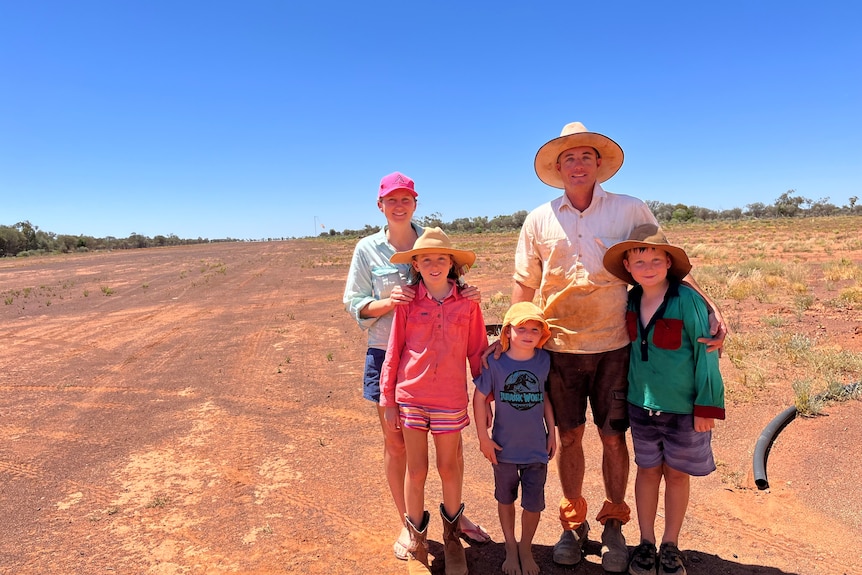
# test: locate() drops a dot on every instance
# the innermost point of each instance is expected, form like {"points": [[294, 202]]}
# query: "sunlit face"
{"points": [[526, 335], [433, 267], [579, 166], [399, 206], [648, 266]]}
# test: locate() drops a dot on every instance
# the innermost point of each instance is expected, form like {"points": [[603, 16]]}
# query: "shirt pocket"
{"points": [[632, 325], [383, 279], [455, 327], [421, 326], [667, 333]]}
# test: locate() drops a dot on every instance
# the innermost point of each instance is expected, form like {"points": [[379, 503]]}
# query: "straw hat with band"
{"points": [[573, 136], [435, 241], [646, 236], [520, 313]]}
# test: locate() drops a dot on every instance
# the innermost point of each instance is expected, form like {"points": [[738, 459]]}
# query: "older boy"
{"points": [[675, 388], [523, 437]]}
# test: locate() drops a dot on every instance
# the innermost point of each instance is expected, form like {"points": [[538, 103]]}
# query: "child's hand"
{"points": [[702, 424], [552, 444], [390, 415], [489, 449]]}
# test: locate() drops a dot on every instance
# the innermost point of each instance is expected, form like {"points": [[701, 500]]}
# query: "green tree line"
{"points": [[787, 205], [24, 238]]}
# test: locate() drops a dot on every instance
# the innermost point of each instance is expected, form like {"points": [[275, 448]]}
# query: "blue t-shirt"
{"points": [[518, 388]]}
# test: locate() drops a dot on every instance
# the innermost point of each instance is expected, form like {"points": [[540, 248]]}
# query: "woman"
{"points": [[374, 287]]}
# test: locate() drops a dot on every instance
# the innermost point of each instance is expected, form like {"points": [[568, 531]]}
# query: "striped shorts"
{"points": [[435, 420], [670, 438]]}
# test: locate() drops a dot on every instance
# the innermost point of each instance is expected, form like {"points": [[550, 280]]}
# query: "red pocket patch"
{"points": [[667, 333]]}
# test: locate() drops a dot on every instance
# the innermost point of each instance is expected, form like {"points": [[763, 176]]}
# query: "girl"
{"points": [[423, 386], [374, 287]]}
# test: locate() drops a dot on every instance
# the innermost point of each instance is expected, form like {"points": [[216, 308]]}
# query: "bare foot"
{"points": [[528, 564], [512, 565]]}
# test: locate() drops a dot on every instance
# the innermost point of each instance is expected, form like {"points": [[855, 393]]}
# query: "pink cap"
{"points": [[394, 182]]}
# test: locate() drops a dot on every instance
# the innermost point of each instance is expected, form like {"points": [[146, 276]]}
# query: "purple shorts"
{"points": [[530, 476], [670, 438]]}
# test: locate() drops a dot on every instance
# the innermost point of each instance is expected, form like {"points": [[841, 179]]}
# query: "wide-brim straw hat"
{"points": [[574, 135], [435, 241], [523, 312], [646, 236]]}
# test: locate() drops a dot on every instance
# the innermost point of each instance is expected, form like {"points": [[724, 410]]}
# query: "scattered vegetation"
{"points": [[158, 501]]}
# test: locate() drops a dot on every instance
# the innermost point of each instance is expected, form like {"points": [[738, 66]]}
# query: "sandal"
{"points": [[399, 548], [475, 535]]}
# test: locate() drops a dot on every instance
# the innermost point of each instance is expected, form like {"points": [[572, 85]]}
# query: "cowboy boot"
{"points": [[453, 552], [417, 551]]}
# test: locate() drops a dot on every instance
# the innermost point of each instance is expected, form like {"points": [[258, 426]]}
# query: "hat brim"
{"points": [[546, 158], [546, 330], [463, 258], [413, 193], [680, 265]]}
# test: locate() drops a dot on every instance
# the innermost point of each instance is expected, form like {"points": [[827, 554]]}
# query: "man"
{"points": [[558, 262]]}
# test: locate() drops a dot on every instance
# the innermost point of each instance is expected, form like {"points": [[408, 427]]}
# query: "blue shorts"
{"points": [[436, 421], [670, 438], [530, 476], [373, 366]]}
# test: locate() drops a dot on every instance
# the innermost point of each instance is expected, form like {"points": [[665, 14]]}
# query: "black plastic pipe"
{"points": [[767, 436], [764, 443]]}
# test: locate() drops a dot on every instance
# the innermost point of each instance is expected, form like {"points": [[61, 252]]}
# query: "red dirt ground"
{"points": [[196, 410]]}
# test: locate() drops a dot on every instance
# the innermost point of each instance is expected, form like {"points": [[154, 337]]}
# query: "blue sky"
{"points": [[263, 119]]}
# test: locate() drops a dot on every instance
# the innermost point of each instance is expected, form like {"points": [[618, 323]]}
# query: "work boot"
{"points": [[417, 551], [569, 549], [454, 557], [615, 555]]}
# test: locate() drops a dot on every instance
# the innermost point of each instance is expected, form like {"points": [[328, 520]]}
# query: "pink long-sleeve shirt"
{"points": [[429, 346]]}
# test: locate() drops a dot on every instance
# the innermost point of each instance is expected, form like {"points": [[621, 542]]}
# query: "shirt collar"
{"points": [[423, 291], [599, 193]]}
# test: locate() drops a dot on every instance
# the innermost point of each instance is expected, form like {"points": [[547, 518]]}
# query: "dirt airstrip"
{"points": [[197, 410]]}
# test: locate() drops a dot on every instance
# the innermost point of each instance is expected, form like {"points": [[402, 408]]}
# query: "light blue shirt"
{"points": [[372, 277]]}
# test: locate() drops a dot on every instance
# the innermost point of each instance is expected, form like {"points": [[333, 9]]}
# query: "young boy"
{"points": [[523, 437], [675, 389]]}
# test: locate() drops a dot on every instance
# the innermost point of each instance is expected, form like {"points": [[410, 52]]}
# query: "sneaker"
{"points": [[615, 554], [670, 560], [568, 550], [643, 559]]}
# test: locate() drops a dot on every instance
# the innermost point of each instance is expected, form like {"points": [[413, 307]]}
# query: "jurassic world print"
{"points": [[522, 390]]}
